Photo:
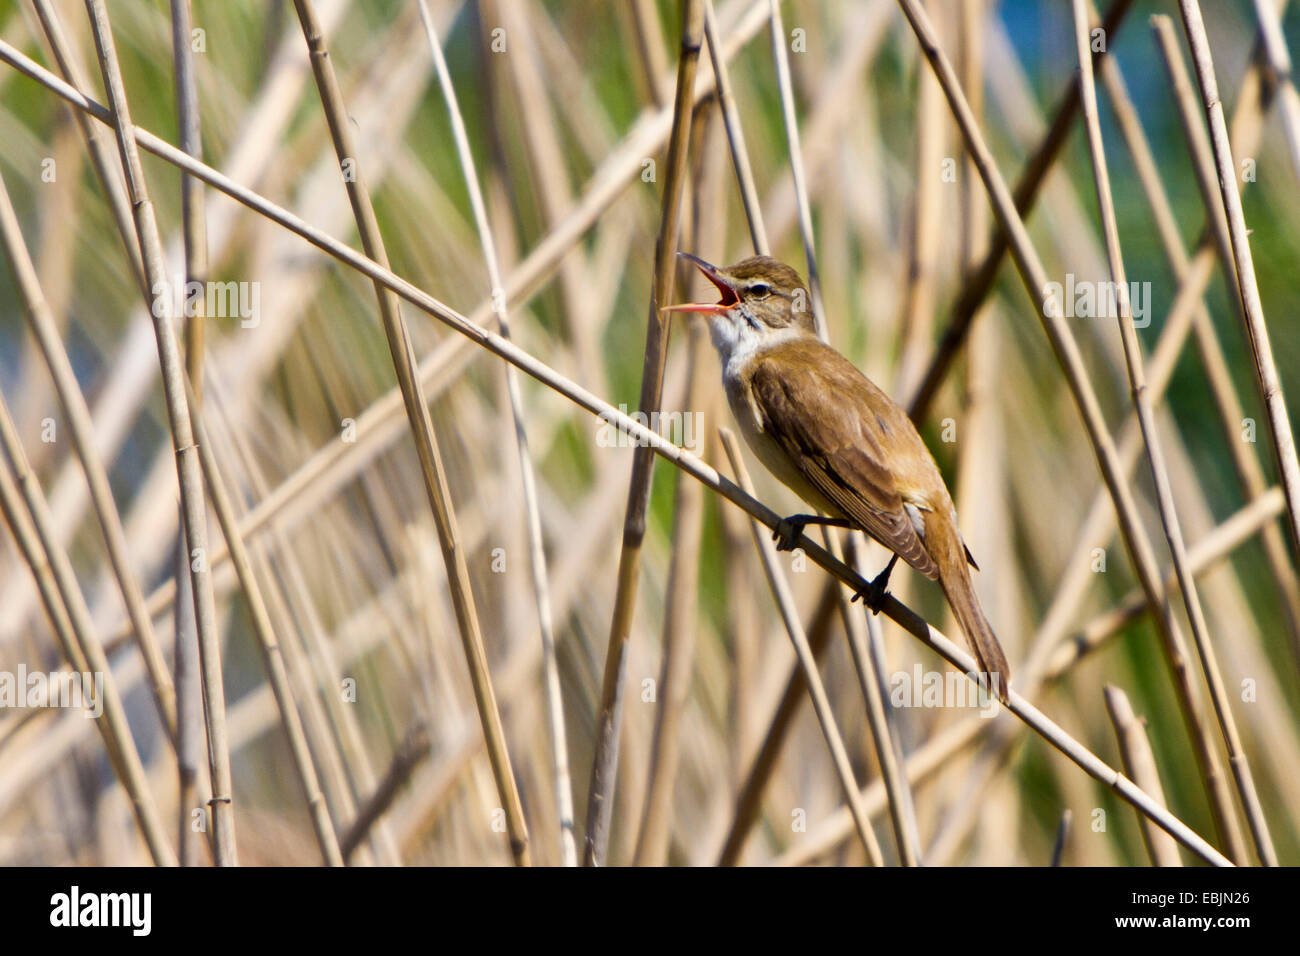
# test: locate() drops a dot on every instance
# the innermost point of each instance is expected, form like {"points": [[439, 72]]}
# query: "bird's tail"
{"points": [[960, 591]]}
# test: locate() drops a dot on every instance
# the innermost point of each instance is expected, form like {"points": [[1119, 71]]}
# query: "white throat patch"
{"points": [[738, 342]]}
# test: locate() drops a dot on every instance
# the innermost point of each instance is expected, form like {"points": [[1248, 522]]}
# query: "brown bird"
{"points": [[836, 440]]}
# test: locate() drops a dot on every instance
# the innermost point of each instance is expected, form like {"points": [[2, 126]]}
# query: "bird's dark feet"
{"points": [[873, 595], [789, 530]]}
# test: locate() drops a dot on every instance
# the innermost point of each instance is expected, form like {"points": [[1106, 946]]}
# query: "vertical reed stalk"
{"points": [[1270, 385], [1066, 349], [532, 510], [1140, 764], [1155, 452], [807, 662], [187, 466], [604, 769], [417, 409]]}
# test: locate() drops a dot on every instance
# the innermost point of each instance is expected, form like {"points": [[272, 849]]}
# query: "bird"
{"points": [[835, 439]]}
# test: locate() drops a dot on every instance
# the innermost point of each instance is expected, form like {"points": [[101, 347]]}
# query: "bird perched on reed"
{"points": [[836, 440]]}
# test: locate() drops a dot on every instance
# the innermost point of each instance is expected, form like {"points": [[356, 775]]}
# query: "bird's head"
{"points": [[761, 299]]}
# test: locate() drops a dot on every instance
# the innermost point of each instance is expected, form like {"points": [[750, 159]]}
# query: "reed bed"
{"points": [[326, 326]]}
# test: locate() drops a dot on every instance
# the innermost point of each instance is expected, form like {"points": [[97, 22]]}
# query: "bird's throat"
{"points": [[738, 343]]}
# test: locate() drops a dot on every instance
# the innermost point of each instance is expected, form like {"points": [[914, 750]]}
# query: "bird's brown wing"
{"points": [[826, 424]]}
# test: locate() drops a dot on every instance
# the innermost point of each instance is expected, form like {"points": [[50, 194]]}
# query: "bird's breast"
{"points": [[765, 446]]}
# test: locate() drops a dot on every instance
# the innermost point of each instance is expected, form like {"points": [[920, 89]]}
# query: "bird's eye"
{"points": [[760, 290]]}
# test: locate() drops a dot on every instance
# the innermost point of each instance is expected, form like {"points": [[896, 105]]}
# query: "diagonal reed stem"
{"points": [[1249, 471]]}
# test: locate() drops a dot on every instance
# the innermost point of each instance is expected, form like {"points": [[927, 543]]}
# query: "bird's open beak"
{"points": [[729, 297]]}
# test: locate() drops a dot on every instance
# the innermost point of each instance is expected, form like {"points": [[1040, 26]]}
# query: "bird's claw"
{"points": [[873, 595], [787, 533]]}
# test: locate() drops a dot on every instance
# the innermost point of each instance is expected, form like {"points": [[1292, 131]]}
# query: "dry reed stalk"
{"points": [[830, 111], [379, 424], [1177, 324], [45, 331], [735, 134], [678, 642], [600, 805], [649, 45], [781, 57], [923, 248], [984, 463], [1192, 285], [748, 803], [934, 754], [128, 378], [550, 173], [1247, 285], [1155, 452], [1269, 14], [272, 658], [421, 423], [194, 232], [784, 599], [1140, 764], [970, 64], [742, 622], [880, 717], [624, 423], [99, 142], [536, 544], [980, 281], [1066, 350], [188, 473], [707, 228], [26, 511], [193, 218], [1249, 471]]}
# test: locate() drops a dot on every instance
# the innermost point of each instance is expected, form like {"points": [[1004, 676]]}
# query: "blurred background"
{"points": [[567, 108]]}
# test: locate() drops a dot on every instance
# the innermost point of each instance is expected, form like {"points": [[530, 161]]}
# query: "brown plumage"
{"points": [[839, 442]]}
